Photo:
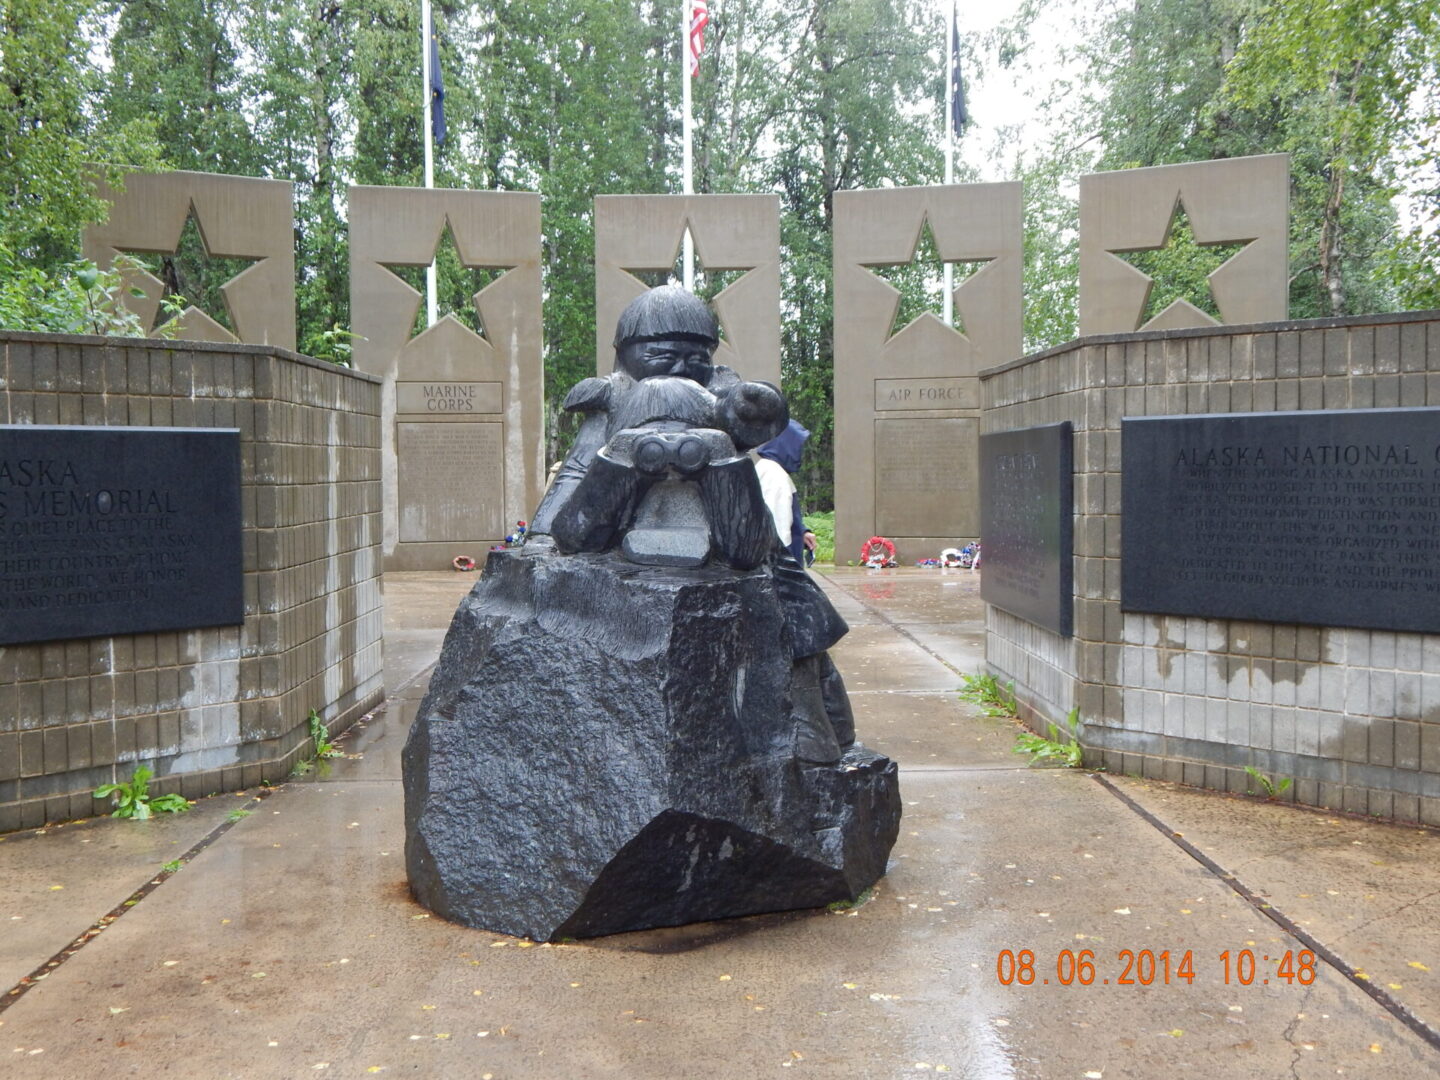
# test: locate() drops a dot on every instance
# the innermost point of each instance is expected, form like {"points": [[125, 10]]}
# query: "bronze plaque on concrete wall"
{"points": [[1027, 523], [109, 531], [451, 481], [1323, 517], [925, 477]]}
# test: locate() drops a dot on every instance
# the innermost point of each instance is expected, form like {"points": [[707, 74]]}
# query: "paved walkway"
{"points": [[288, 945]]}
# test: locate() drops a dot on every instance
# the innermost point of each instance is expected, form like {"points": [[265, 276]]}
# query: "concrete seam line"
{"points": [[1386, 1000], [16, 992], [28, 982], [400, 689]]}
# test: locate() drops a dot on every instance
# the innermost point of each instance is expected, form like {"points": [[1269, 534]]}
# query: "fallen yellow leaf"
{"points": [[1418, 965]]}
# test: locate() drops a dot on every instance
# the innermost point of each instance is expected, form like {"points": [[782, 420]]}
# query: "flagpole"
{"points": [[686, 158], [950, 151], [427, 29]]}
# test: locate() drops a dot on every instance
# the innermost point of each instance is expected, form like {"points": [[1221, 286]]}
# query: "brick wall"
{"points": [[219, 708], [1353, 716]]}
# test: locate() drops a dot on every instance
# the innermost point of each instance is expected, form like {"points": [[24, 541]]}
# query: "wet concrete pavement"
{"points": [[289, 946]]}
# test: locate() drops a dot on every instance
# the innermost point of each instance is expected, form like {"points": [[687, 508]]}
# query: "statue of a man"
{"points": [[660, 469], [661, 449]]}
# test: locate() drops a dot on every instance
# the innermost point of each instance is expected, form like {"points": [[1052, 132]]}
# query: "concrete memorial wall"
{"points": [[1256, 556], [638, 233], [1237, 200], [189, 563], [463, 416], [237, 217], [907, 401]]}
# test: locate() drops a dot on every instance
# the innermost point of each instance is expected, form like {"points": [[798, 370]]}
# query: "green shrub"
{"points": [[823, 526], [80, 299]]}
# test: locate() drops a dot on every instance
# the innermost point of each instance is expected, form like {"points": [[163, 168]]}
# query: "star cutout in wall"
{"points": [[921, 281], [1180, 294], [198, 277], [458, 283], [708, 283]]}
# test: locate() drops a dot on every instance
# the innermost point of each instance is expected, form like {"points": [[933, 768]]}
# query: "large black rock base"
{"points": [[606, 747]]}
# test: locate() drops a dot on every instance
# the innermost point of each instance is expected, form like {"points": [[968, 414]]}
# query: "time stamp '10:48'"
{"points": [[1146, 967]]}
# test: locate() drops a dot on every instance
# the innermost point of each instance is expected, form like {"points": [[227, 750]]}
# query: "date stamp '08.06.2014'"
{"points": [[1148, 967]]}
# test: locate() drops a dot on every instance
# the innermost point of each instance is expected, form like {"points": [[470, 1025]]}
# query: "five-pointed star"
{"points": [[708, 283], [190, 249], [1166, 300], [926, 269], [478, 275]]}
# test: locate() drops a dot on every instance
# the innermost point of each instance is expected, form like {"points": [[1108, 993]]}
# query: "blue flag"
{"points": [[959, 115], [437, 90]]}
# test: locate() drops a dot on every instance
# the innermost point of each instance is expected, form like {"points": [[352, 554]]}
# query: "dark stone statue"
{"points": [[660, 455], [634, 721]]}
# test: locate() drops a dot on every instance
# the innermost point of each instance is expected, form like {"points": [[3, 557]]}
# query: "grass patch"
{"points": [[987, 692], [850, 905], [1273, 788], [1056, 748], [132, 799]]}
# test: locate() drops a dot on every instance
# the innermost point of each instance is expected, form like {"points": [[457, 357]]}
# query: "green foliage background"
{"points": [[574, 98]]}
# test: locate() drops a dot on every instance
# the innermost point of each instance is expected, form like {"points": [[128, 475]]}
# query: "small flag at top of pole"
{"points": [[699, 19], [959, 116], [437, 89]]}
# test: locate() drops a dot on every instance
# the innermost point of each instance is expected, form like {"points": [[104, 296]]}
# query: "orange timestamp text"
{"points": [[1150, 967]]}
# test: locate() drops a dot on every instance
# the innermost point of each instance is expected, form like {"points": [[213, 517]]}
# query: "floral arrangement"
{"points": [[878, 553]]}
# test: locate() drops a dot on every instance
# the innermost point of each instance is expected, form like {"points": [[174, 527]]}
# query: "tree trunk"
{"points": [[1330, 251]]}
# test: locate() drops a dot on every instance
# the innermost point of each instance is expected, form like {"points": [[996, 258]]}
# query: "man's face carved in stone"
{"points": [[688, 358]]}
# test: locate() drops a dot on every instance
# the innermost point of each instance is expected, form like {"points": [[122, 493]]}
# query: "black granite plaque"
{"points": [[1325, 517], [118, 530], [1026, 524]]}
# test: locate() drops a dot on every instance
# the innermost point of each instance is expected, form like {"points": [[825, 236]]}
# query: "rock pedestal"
{"points": [[608, 747]]}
